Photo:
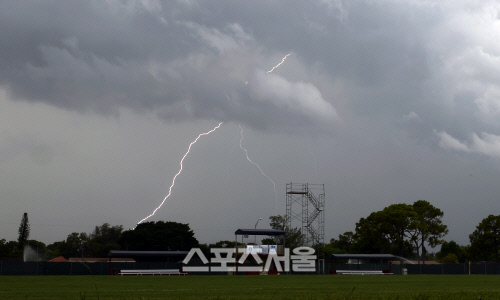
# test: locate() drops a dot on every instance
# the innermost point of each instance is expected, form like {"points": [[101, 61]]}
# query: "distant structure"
{"points": [[305, 208]]}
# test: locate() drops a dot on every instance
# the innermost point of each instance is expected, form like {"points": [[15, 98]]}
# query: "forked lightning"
{"points": [[282, 61], [180, 170], [241, 146], [255, 164]]}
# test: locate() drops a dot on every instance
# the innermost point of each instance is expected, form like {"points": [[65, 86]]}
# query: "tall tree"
{"points": [[345, 243], [73, 246], [10, 249], [159, 236], [103, 239], [385, 231], [24, 230], [485, 240], [293, 236], [399, 223], [4, 249], [94, 244], [429, 227], [452, 248], [55, 249], [369, 235]]}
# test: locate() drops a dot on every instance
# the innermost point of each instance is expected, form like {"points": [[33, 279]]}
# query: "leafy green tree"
{"points": [[103, 239], [429, 227], [293, 236], [73, 246], [452, 247], [159, 236], [225, 244], [345, 243], [369, 235], [24, 230], [385, 231], [15, 250], [485, 240], [450, 258], [54, 250], [401, 229], [399, 223], [5, 251], [323, 250], [94, 244], [329, 249]]}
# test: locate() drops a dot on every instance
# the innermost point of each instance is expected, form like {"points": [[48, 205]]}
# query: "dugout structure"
{"points": [[366, 262], [149, 256], [372, 258], [305, 208]]}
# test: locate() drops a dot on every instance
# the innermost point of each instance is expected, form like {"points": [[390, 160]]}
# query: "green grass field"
{"points": [[252, 287]]}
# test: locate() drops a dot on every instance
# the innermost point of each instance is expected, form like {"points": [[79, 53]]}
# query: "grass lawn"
{"points": [[252, 287]]}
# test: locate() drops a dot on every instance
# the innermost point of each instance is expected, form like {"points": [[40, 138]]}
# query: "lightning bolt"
{"points": [[241, 146], [180, 170], [255, 164], [282, 61]]}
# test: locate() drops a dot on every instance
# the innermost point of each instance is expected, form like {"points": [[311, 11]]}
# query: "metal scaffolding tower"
{"points": [[305, 208]]}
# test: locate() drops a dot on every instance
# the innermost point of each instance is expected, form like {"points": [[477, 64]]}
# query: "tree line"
{"points": [[146, 236], [407, 230], [400, 229]]}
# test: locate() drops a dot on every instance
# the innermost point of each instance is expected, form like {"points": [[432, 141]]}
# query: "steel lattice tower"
{"points": [[305, 208]]}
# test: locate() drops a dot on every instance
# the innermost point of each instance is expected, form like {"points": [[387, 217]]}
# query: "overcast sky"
{"points": [[384, 102]]}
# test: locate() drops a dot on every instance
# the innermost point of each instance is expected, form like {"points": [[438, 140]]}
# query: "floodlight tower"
{"points": [[305, 206]]}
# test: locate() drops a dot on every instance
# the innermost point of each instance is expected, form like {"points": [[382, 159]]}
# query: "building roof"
{"points": [[415, 262], [99, 259], [59, 259], [123, 253], [259, 232], [365, 256]]}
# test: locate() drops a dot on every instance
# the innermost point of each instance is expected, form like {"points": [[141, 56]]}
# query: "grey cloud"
{"points": [[487, 144], [296, 96], [188, 60], [446, 141], [183, 59], [395, 98], [143, 56]]}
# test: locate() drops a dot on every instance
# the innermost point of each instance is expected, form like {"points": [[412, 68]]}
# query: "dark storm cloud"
{"points": [[404, 96], [352, 62], [100, 56], [190, 60]]}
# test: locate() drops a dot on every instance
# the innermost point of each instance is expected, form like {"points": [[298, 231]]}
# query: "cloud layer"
{"points": [[148, 56], [383, 101]]}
